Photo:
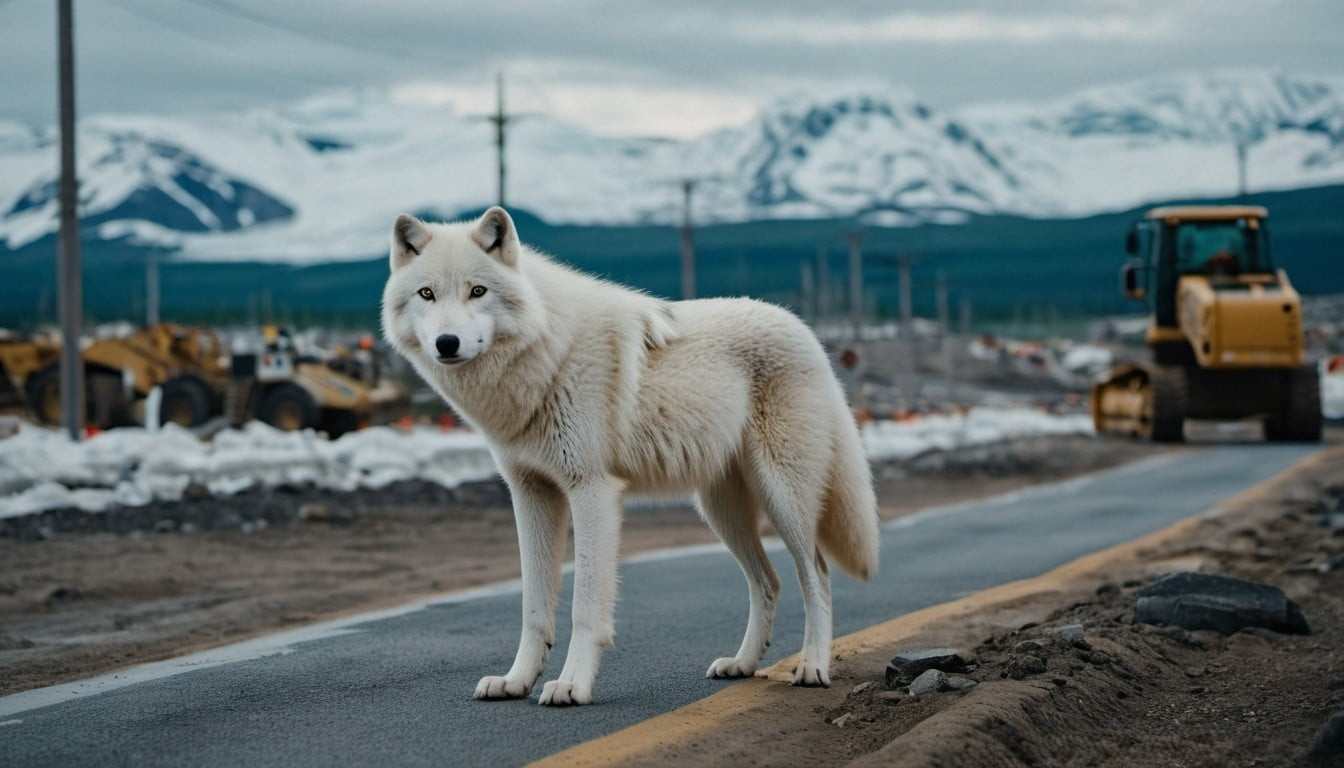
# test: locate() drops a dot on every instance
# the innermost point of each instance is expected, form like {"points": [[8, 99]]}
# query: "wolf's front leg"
{"points": [[596, 509], [540, 511]]}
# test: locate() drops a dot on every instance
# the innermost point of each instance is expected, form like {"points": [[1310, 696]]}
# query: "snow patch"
{"points": [[979, 426], [41, 469]]}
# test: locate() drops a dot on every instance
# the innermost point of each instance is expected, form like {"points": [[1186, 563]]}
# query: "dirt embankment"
{"points": [[86, 593], [1124, 694]]}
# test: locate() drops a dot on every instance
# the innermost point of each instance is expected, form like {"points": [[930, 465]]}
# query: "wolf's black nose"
{"points": [[447, 345]]}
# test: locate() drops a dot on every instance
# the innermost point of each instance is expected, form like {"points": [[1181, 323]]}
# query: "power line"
{"points": [[231, 9], [191, 34]]}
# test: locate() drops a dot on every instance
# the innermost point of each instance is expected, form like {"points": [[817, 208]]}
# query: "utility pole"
{"points": [[904, 261], [687, 241], [807, 293], [945, 332], [152, 289], [1241, 169], [501, 120], [823, 286], [68, 271], [856, 281]]}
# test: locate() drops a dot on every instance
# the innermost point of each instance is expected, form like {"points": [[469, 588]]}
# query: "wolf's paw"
{"points": [[811, 675], [500, 688], [563, 693], [730, 666]]}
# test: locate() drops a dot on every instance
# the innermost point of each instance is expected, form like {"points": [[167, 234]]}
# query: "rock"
{"points": [[1068, 632], [1329, 744], [1022, 666], [1222, 603], [1333, 564], [930, 681], [959, 683], [1028, 646], [907, 665], [840, 721], [314, 513]]}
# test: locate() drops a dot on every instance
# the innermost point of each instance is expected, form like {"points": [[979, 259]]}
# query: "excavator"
{"points": [[1225, 334]]}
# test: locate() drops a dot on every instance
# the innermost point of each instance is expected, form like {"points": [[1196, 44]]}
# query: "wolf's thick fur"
{"points": [[586, 390]]}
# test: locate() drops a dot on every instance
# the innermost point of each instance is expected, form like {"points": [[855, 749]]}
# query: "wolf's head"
{"points": [[455, 289]]}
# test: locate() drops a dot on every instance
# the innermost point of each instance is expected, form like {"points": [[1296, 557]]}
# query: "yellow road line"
{"points": [[700, 718]]}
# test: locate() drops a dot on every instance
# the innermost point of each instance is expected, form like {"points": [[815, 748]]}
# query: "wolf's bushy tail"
{"points": [[848, 526]]}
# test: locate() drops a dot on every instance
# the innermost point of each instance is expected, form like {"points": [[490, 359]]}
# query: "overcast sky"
{"points": [[636, 66]]}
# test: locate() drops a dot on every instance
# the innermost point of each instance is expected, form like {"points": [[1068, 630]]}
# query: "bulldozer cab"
{"points": [[1227, 244]]}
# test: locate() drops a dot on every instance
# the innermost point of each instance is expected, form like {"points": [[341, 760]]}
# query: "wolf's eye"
{"points": [[478, 291], [426, 294]]}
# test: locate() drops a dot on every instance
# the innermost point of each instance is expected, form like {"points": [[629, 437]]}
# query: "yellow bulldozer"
{"points": [[1225, 335], [198, 380], [188, 365], [336, 393]]}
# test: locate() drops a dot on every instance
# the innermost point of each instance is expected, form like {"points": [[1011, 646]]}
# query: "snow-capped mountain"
{"points": [[320, 181]]}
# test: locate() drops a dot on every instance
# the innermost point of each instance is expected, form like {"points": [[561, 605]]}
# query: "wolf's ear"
{"points": [[497, 237], [409, 238]]}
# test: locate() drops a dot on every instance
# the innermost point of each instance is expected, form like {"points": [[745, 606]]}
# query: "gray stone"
{"points": [[1028, 646], [1068, 632], [840, 721], [907, 665], [930, 681], [1221, 603]]}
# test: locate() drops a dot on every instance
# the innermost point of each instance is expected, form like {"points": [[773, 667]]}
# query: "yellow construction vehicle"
{"points": [[1225, 335], [187, 364], [336, 393], [20, 357]]}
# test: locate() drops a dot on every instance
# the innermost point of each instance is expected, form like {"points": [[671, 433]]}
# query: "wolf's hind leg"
{"points": [[791, 491], [541, 513], [732, 511]]}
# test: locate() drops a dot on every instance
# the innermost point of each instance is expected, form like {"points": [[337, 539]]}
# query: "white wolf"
{"points": [[586, 390]]}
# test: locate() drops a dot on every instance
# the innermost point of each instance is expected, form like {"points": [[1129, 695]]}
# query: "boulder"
{"points": [[1221, 603], [907, 665], [930, 681]]}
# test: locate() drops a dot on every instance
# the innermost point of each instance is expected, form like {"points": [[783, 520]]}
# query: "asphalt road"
{"points": [[397, 690]]}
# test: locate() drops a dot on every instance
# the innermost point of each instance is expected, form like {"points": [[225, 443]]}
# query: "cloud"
{"points": [[957, 27], [637, 66]]}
